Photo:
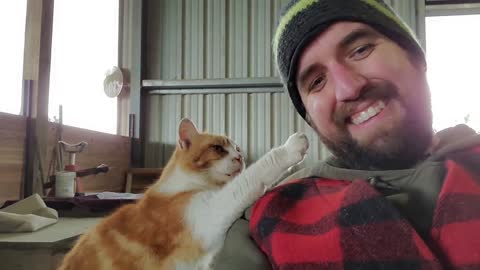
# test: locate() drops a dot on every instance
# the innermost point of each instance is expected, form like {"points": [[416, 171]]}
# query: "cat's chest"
{"points": [[208, 220]]}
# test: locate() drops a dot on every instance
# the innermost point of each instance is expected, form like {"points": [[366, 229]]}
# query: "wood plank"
{"points": [[139, 179], [12, 140], [155, 171], [38, 47], [102, 148], [112, 150]]}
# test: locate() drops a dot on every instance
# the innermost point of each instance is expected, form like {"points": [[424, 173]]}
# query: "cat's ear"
{"points": [[186, 132]]}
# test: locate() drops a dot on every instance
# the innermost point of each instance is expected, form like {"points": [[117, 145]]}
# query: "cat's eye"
{"points": [[237, 148], [218, 148]]}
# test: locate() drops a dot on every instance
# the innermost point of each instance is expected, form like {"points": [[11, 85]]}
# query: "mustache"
{"points": [[372, 91]]}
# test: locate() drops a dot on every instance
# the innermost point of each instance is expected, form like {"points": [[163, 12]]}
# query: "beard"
{"points": [[401, 147]]}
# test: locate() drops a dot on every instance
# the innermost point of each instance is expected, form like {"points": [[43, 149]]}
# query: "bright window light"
{"points": [[12, 31], [453, 69], [84, 47]]}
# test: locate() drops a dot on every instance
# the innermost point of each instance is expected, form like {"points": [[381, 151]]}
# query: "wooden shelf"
{"points": [[139, 179]]}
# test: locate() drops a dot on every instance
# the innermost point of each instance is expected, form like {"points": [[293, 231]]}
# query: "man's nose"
{"points": [[348, 82]]}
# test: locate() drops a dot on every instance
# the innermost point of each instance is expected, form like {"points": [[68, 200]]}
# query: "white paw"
{"points": [[296, 147]]}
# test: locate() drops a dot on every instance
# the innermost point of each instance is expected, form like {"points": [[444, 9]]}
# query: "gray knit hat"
{"points": [[301, 21]]}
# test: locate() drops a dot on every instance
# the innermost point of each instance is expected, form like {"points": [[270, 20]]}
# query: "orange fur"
{"points": [[182, 219], [151, 234], [155, 223]]}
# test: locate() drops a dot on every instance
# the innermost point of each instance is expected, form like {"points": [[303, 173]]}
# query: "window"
{"points": [[12, 31], [453, 69], [84, 47]]}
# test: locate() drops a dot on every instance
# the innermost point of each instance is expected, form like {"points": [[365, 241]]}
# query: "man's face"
{"points": [[366, 97]]}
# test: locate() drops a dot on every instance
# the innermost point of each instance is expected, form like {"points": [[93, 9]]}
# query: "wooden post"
{"points": [[38, 44], [130, 60]]}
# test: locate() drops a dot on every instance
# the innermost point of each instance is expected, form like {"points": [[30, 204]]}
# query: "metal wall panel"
{"points": [[256, 122], [215, 113], [162, 129], [194, 50], [216, 13], [237, 119], [209, 39], [205, 39], [413, 12], [276, 10], [237, 66], [260, 32], [164, 40], [194, 107], [406, 9]]}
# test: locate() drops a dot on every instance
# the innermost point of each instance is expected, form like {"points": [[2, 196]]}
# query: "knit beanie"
{"points": [[301, 21]]}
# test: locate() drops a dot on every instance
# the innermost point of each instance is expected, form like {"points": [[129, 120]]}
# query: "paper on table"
{"points": [[118, 196]]}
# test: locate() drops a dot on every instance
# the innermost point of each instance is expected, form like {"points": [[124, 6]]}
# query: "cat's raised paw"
{"points": [[297, 146]]}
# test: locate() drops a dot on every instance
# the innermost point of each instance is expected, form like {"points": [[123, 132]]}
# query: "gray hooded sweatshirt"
{"points": [[413, 191]]}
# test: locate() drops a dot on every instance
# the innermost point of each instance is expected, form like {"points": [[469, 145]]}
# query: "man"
{"points": [[395, 195]]}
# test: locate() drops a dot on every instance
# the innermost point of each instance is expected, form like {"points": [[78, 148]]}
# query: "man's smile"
{"points": [[367, 113]]}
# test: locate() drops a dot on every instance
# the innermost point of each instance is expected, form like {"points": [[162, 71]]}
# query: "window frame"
{"points": [[433, 10], [447, 2], [447, 8], [36, 79], [127, 25]]}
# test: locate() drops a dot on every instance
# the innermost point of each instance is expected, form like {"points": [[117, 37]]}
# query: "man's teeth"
{"points": [[368, 113]]}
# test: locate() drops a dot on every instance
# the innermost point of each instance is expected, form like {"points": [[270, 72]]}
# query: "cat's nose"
{"points": [[238, 158]]}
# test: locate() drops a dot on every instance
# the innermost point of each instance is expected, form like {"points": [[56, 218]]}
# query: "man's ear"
{"points": [[186, 132], [424, 67]]}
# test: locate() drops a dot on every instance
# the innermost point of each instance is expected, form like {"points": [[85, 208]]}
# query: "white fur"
{"points": [[211, 213], [223, 169], [189, 182]]}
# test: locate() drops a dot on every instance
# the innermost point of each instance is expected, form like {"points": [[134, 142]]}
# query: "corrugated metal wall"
{"points": [[208, 39], [200, 39], [257, 122]]}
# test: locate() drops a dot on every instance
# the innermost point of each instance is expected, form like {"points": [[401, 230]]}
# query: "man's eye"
{"points": [[317, 84], [362, 52]]}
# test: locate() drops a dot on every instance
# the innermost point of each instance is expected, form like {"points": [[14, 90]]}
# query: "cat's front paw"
{"points": [[296, 147]]}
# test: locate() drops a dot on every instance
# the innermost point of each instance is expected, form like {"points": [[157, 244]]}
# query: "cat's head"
{"points": [[217, 157]]}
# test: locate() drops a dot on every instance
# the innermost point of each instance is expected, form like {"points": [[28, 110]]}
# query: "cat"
{"points": [[182, 219]]}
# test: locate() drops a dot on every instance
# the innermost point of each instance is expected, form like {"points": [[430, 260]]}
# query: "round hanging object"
{"points": [[113, 83]]}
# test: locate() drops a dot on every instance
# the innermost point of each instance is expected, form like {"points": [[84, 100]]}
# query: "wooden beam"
{"points": [[12, 138], [38, 44], [130, 60], [102, 148]]}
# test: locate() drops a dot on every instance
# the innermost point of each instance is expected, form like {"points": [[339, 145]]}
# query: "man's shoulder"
{"points": [[455, 139], [302, 173]]}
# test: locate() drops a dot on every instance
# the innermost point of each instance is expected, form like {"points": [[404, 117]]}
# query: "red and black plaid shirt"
{"points": [[318, 223]]}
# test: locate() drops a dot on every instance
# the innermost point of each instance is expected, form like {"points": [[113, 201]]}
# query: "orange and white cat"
{"points": [[182, 219]]}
